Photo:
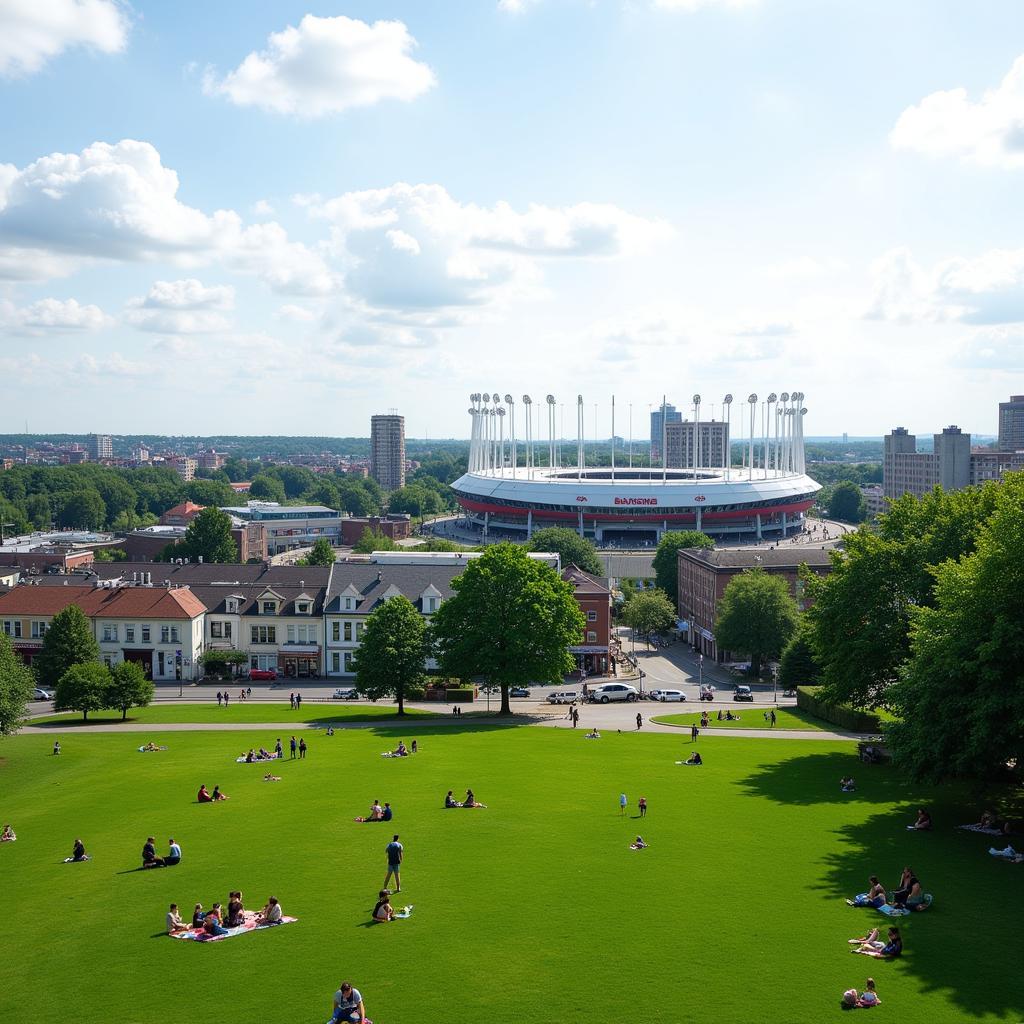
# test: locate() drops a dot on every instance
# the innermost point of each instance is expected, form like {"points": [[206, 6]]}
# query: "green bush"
{"points": [[843, 715]]}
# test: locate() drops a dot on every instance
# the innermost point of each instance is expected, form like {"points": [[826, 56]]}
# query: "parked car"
{"points": [[667, 695], [743, 693], [262, 673], [563, 697], [707, 692], [40, 694], [613, 691], [346, 693], [519, 691]]}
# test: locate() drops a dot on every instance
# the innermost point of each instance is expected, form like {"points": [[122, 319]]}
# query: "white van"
{"points": [[563, 697]]}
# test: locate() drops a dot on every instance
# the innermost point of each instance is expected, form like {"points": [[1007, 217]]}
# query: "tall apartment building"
{"points": [[387, 450], [950, 464], [672, 415], [680, 448], [100, 447], [1011, 424]]}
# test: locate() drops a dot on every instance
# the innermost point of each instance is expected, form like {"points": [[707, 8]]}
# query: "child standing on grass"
{"points": [[622, 805]]}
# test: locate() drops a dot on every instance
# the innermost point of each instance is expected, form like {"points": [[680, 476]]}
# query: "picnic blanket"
{"points": [[255, 760], [391, 753], [148, 750], [983, 831], [633, 846], [890, 911], [71, 860], [198, 935], [692, 764]]}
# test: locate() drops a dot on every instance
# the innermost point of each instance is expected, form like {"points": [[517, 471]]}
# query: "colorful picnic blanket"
{"points": [[148, 750], [256, 760], [890, 911], [198, 935]]}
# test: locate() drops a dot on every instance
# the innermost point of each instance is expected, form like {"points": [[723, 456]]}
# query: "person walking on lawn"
{"points": [[395, 852]]}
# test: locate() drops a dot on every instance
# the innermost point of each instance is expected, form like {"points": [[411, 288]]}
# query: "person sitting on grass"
{"points": [[383, 911], [1009, 853], [908, 893], [173, 853], [923, 822], [348, 1005], [872, 945], [874, 897], [593, 734], [846, 784], [387, 814], [56, 746], [401, 750], [868, 998], [694, 758], [198, 915], [471, 800], [78, 851], [271, 913], [174, 922], [450, 801], [250, 757], [638, 844], [149, 857], [730, 717], [218, 795], [271, 778], [987, 823], [236, 911], [376, 813], [150, 746], [203, 795], [7, 836], [211, 921]]}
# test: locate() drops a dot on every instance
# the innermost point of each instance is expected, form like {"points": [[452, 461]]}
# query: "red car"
{"points": [[262, 673]]}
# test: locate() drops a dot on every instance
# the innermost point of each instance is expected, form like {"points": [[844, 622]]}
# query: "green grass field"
{"points": [[534, 910], [208, 712], [750, 718]]}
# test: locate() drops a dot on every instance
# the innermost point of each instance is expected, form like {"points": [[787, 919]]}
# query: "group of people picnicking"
{"points": [[218, 921], [378, 813], [905, 897], [402, 750], [7, 836], [469, 801]]}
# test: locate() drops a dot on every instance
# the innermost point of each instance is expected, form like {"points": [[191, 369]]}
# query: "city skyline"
{"points": [[201, 226]]}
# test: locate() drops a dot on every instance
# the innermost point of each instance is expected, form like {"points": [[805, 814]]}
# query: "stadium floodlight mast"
{"points": [[579, 437], [752, 401], [551, 431], [727, 402], [784, 398], [696, 434], [510, 402], [527, 402], [766, 424], [500, 411]]}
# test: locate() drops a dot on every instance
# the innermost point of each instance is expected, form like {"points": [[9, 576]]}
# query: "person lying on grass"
{"points": [[271, 912], [383, 911], [872, 945], [174, 921], [846, 784], [694, 758], [874, 897], [923, 822], [987, 823], [1009, 854], [471, 800], [638, 844], [271, 778], [7, 836]]}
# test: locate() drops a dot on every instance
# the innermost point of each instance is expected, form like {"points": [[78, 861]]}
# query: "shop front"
{"points": [[299, 661], [591, 659]]}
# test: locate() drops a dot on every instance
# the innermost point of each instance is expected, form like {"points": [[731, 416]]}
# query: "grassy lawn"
{"points": [[276, 711], [752, 718], [532, 911]]}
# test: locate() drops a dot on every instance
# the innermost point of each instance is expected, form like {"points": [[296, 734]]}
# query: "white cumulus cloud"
{"points": [[988, 131], [34, 31], [324, 66], [52, 315]]}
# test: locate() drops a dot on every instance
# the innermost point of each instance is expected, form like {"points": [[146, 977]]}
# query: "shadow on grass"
{"points": [[974, 963]]}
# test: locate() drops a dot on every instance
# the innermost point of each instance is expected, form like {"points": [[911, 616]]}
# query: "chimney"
{"points": [[380, 576], [302, 584]]}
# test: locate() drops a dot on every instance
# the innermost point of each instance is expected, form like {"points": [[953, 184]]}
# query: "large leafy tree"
{"points": [[570, 547], [860, 614], [416, 500], [649, 611], [321, 553], [756, 616], [16, 683], [128, 687], [392, 651], [266, 487], [84, 688], [209, 537], [960, 699], [846, 502], [511, 622], [69, 641], [373, 540], [82, 510], [798, 665], [666, 558]]}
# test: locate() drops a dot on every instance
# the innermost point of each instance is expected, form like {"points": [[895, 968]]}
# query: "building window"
{"points": [[591, 616], [217, 630], [591, 637], [109, 634], [231, 605], [145, 634], [291, 634], [350, 604], [269, 607], [38, 630], [165, 634], [264, 634], [302, 607], [348, 661], [107, 660], [129, 634], [348, 632], [174, 634], [336, 632], [8, 627], [335, 662]]}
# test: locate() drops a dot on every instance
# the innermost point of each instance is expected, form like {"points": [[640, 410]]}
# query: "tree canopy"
{"points": [[666, 559], [16, 683], [84, 687], [756, 616], [798, 665], [209, 537], [570, 546], [649, 611], [128, 687], [510, 622], [321, 553], [846, 503], [392, 652], [373, 540], [69, 641]]}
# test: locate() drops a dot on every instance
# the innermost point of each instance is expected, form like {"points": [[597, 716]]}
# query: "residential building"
{"points": [[211, 459], [671, 415], [101, 447], [681, 452], [290, 526], [874, 500], [387, 450], [704, 573], [140, 453], [395, 526], [948, 465], [594, 597], [9, 575], [181, 515], [184, 465], [1011, 424], [73, 455]]}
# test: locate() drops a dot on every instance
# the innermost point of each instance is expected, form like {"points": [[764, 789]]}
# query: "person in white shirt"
{"points": [[348, 1005], [271, 913], [173, 853], [174, 922]]}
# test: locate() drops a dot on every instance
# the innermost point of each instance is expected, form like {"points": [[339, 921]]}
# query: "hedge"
{"points": [[843, 715]]}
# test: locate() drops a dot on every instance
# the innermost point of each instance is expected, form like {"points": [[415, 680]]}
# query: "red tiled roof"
{"points": [[98, 602]]}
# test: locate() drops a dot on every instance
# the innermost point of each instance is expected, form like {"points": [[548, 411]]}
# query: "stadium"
{"points": [[514, 486]]}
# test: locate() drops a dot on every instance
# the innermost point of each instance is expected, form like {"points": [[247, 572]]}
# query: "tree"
{"points": [[415, 500], [267, 488], [321, 553], [209, 537], [16, 682], [69, 641], [373, 540], [846, 502], [649, 611], [666, 558], [84, 688], [959, 700], [756, 616], [82, 510], [128, 688], [110, 555], [511, 622], [392, 652], [37, 508], [355, 497], [571, 548], [209, 492], [798, 665], [223, 662]]}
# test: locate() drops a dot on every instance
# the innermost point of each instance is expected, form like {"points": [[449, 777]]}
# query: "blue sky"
{"points": [[282, 218]]}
